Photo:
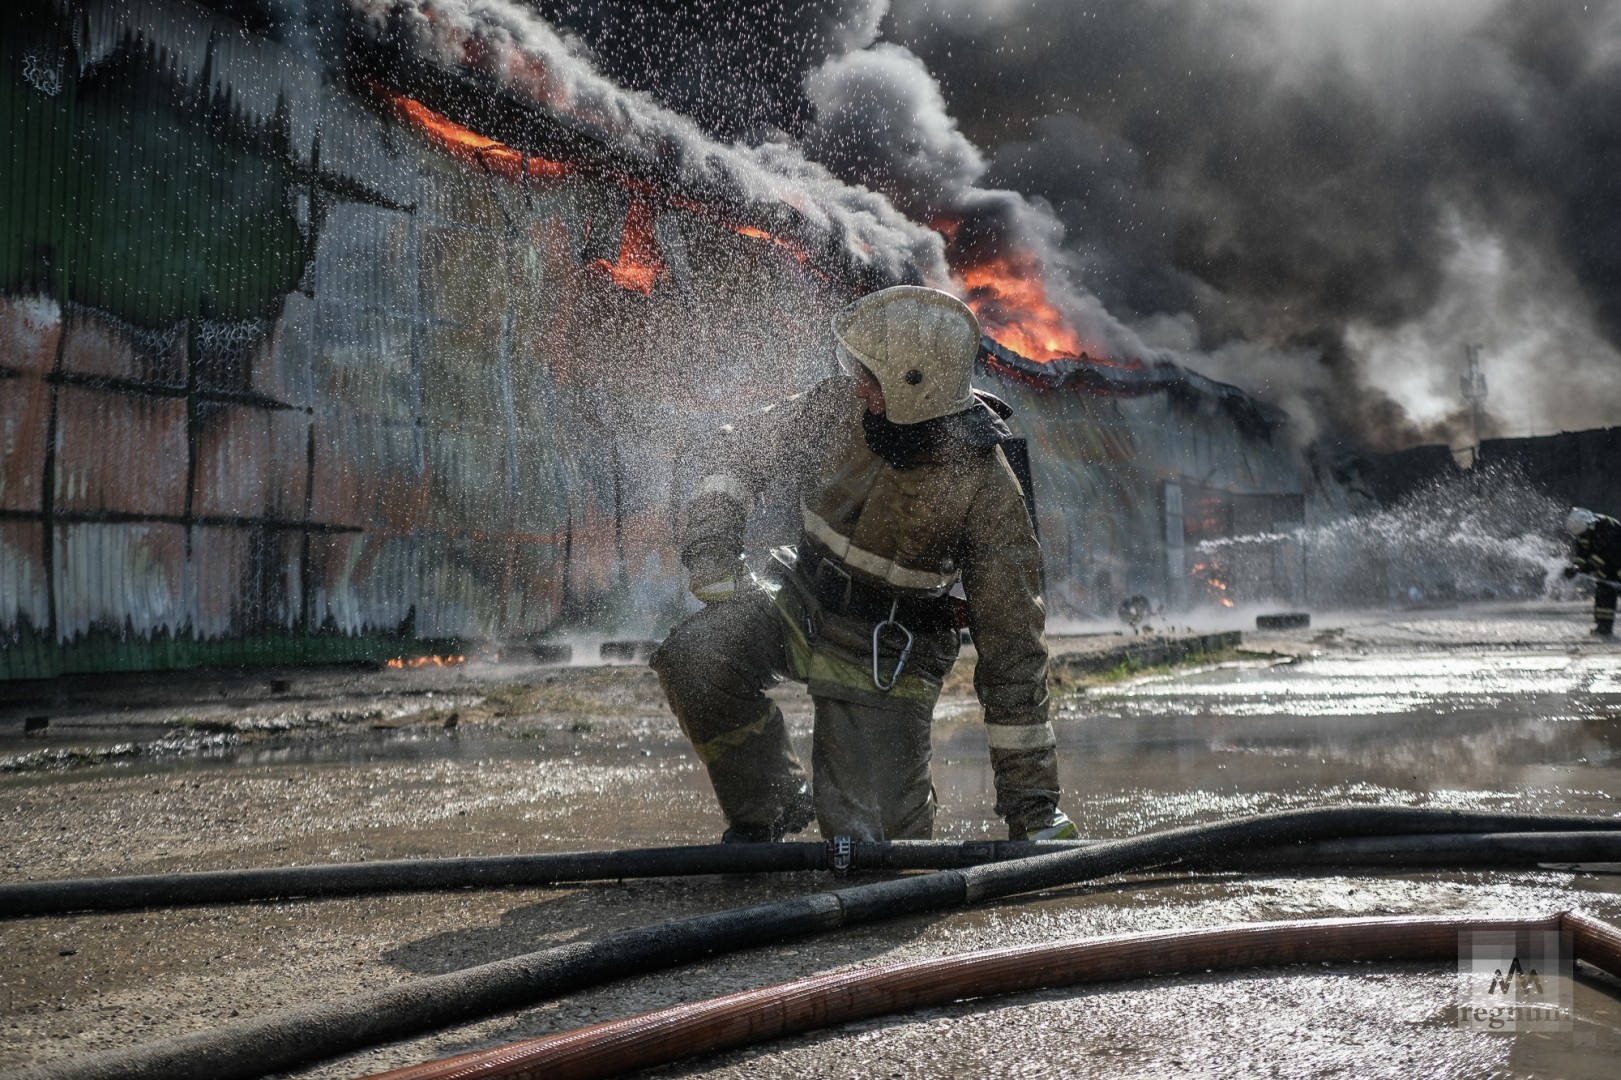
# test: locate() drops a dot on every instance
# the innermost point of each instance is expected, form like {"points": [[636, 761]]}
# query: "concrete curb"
{"points": [[1145, 652]]}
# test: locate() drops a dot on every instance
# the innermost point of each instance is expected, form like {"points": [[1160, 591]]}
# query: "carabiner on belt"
{"points": [[906, 649]]}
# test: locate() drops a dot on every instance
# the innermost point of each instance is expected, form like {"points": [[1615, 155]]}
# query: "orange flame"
{"points": [[402, 663], [799, 254], [1010, 299], [1205, 573], [640, 265], [473, 148]]}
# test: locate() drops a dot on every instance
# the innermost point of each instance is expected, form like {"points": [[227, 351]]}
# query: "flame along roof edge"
{"points": [[1092, 378], [478, 102]]}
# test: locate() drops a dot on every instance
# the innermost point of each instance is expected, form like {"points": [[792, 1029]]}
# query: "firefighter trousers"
{"points": [[870, 749], [1604, 594]]}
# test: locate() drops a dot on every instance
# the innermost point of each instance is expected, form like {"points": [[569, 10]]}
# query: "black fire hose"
{"points": [[1591, 851], [279, 1041], [492, 872], [1577, 840]]}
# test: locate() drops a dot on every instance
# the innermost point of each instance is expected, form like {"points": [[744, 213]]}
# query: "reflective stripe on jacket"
{"points": [[956, 513]]}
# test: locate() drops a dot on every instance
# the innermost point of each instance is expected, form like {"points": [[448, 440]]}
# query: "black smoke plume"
{"points": [[1323, 202], [1318, 200], [1354, 191]]}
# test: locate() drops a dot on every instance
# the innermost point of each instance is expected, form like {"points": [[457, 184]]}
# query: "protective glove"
{"points": [[1059, 827], [1568, 572], [713, 579]]}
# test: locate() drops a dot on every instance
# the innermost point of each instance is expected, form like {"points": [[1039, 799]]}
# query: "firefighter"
{"points": [[903, 493], [1596, 550]]}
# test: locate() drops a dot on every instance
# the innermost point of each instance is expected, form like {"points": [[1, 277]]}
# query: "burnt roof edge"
{"points": [[477, 101], [1092, 378]]}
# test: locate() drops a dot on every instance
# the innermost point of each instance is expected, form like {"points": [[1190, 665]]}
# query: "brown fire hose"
{"points": [[754, 1016]]}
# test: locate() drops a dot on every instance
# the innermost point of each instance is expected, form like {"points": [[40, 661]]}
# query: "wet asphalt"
{"points": [[1503, 708]]}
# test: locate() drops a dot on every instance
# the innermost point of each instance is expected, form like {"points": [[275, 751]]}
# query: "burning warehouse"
{"points": [[334, 348], [348, 344]]}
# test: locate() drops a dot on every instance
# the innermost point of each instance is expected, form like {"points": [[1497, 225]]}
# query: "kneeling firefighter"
{"points": [[1595, 541], [904, 492]]}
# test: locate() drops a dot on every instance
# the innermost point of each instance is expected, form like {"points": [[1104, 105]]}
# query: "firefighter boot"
{"points": [[1604, 595]]}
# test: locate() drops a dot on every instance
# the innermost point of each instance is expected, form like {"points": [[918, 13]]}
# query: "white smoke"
{"points": [[525, 53], [1544, 360], [1482, 534]]}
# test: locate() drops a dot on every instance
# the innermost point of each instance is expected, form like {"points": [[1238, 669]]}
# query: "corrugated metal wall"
{"points": [[281, 381], [1110, 475]]}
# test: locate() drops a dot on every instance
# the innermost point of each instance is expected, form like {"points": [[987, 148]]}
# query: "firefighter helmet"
{"points": [[919, 344], [1578, 521]]}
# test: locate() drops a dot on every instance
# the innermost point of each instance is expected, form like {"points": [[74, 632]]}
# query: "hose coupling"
{"points": [[841, 850]]}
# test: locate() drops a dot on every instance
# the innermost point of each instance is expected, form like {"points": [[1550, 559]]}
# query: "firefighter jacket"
{"points": [[896, 531], [1598, 550]]}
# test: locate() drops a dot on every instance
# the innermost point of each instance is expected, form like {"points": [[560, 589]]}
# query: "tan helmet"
{"points": [[919, 344]]}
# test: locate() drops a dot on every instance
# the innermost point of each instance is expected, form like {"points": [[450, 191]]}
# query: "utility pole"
{"points": [[1474, 392]]}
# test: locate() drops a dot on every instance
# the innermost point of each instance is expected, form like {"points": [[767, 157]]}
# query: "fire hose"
{"points": [[1481, 839], [282, 1040], [757, 1016]]}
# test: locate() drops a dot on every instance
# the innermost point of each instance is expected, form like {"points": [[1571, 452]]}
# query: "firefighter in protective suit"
{"points": [[1596, 550], [903, 492]]}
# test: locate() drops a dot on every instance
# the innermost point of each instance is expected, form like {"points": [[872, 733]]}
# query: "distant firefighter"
{"points": [[904, 492], [1596, 550]]}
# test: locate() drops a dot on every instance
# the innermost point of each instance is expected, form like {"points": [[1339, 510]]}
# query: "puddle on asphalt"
{"points": [[1500, 731], [1493, 731]]}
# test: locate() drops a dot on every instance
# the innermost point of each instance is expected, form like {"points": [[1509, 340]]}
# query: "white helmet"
{"points": [[1578, 521], [919, 344]]}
